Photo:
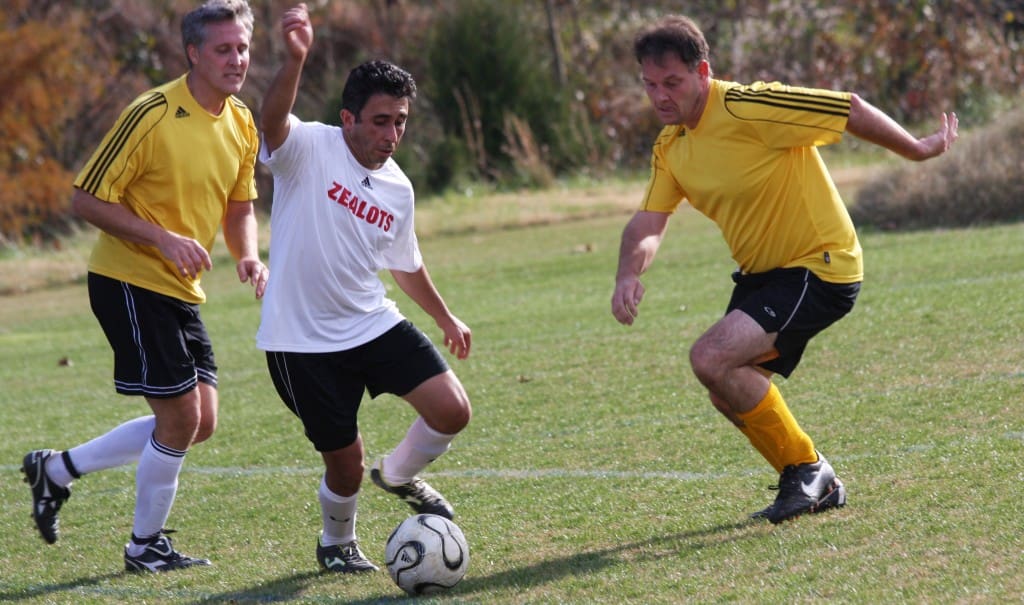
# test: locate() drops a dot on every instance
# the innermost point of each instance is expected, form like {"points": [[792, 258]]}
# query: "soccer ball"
{"points": [[426, 554]]}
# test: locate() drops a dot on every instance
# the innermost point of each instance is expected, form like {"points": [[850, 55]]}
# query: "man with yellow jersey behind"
{"points": [[745, 156], [177, 166]]}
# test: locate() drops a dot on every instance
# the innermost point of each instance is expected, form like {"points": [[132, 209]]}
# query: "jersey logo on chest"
{"points": [[361, 208]]}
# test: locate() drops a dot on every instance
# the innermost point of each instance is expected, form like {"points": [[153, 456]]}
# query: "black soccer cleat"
{"points": [[160, 555], [343, 558], [417, 493], [805, 488], [47, 496]]}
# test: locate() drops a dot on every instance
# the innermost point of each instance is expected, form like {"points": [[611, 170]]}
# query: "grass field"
{"points": [[594, 470]]}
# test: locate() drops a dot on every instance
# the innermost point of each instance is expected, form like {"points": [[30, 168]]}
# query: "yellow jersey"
{"points": [[172, 163], [751, 165]]}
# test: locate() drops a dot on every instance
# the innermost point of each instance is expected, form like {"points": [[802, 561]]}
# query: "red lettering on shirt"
{"points": [[333, 191], [359, 208]]}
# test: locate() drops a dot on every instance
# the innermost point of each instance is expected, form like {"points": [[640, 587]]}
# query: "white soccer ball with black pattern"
{"points": [[426, 554]]}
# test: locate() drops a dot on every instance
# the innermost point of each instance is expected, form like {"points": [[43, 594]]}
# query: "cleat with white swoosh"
{"points": [[805, 488], [160, 555], [417, 493], [47, 496]]}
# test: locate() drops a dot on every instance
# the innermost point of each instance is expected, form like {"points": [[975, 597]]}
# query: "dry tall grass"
{"points": [[980, 181]]}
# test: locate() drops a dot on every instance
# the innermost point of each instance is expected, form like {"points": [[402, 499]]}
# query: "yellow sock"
{"points": [[774, 432]]}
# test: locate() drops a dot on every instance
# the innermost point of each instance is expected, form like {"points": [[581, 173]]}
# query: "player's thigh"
{"points": [[733, 341], [315, 387], [442, 401], [161, 349]]}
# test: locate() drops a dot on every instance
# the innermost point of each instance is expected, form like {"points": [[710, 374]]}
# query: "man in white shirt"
{"points": [[342, 212]]}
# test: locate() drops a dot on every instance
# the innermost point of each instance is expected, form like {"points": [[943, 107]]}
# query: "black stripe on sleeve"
{"points": [[118, 139], [791, 100]]}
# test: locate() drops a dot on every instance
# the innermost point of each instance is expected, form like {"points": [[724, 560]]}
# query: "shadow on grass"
{"points": [[288, 588], [46, 590], [280, 590], [544, 572], [594, 561]]}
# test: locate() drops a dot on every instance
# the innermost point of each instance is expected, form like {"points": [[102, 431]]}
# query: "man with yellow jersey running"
{"points": [[177, 166], [745, 156]]}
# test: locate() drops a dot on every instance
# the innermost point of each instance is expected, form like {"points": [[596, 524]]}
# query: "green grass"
{"points": [[594, 470]]}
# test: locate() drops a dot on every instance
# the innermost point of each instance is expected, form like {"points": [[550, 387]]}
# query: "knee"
{"points": [[456, 416], [449, 422], [462, 416], [703, 363], [207, 426]]}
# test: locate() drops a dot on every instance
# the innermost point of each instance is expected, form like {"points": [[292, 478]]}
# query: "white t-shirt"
{"points": [[335, 225]]}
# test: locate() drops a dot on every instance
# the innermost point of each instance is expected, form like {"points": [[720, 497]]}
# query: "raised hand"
{"points": [[940, 141], [297, 31]]}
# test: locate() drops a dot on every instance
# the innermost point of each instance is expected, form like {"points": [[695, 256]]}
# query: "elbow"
{"points": [[266, 124], [78, 205]]}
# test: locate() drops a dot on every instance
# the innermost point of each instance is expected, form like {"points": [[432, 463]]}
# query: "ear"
{"points": [[704, 69], [193, 54], [347, 118]]}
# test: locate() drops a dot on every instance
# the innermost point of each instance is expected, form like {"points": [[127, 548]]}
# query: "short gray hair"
{"points": [[193, 26]]}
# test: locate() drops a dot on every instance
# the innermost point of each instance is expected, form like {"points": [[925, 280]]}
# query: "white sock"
{"points": [[421, 446], [339, 516], [119, 446], [156, 483]]}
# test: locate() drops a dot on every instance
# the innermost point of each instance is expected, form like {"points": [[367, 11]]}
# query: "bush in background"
{"points": [[515, 93], [491, 82], [980, 181]]}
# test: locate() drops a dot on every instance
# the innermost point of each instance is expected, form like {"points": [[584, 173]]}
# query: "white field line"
{"points": [[531, 474]]}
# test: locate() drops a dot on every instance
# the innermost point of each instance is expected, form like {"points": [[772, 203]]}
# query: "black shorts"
{"points": [[161, 348], [325, 389], [796, 304]]}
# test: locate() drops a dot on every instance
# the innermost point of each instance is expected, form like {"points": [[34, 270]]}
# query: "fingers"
{"points": [[626, 302], [459, 341], [191, 260], [255, 273], [297, 30], [951, 124]]}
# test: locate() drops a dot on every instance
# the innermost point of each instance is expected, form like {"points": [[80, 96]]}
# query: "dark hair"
{"points": [[193, 26], [672, 34], [374, 77]]}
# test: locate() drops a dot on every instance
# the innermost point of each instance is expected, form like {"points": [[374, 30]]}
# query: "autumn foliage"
{"points": [[70, 65]]}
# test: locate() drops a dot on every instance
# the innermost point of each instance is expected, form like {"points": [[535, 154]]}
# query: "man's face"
{"points": [[374, 137], [677, 92], [222, 60]]}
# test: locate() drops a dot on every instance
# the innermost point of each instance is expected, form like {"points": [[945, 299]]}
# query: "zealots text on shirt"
{"points": [[361, 208]]}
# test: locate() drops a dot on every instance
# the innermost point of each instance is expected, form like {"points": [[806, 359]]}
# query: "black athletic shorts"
{"points": [[793, 302], [161, 348], [325, 389]]}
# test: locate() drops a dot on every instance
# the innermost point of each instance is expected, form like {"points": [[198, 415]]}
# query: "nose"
{"points": [[238, 58]]}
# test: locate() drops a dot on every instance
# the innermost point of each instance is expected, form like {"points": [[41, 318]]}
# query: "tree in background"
{"points": [[46, 92], [518, 93], [68, 68]]}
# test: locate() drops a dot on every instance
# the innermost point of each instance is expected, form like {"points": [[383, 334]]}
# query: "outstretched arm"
{"points": [[640, 242], [297, 32], [871, 124], [420, 288]]}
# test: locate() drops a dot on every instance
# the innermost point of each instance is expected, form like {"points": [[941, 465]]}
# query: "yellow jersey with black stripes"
{"points": [[172, 163], [752, 166]]}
